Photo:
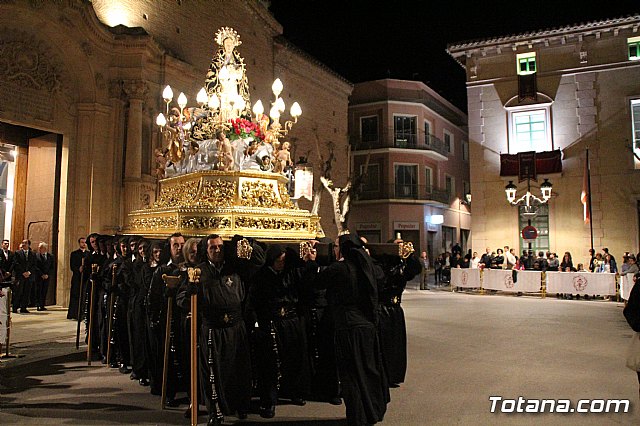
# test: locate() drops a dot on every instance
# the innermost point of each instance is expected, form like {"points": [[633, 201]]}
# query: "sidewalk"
{"points": [[40, 335], [414, 284]]}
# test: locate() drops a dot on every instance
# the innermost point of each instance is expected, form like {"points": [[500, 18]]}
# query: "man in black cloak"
{"points": [[352, 285], [225, 355], [282, 358]]}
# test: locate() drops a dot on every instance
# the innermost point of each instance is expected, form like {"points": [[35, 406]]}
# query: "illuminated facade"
{"points": [[81, 86], [414, 145], [565, 89]]}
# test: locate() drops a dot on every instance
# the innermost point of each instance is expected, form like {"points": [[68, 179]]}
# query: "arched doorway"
{"points": [[30, 164]]}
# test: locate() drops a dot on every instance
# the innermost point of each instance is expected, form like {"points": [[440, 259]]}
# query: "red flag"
{"points": [[584, 195]]}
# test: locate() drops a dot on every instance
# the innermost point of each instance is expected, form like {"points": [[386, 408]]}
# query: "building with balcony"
{"points": [[411, 146], [543, 98]]}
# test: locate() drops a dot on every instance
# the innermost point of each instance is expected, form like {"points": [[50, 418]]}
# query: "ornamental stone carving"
{"points": [[135, 89]]}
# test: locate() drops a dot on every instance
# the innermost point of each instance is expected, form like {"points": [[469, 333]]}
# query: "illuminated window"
{"points": [[529, 130], [526, 63], [635, 127], [404, 128], [633, 44]]}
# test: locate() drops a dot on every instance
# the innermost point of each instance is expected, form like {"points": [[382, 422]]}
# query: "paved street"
{"points": [[462, 349]]}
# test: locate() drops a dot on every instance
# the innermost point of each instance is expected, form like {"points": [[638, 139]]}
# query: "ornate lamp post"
{"points": [[529, 200]]}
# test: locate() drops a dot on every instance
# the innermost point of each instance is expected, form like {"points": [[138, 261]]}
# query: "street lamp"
{"points": [[530, 201]]}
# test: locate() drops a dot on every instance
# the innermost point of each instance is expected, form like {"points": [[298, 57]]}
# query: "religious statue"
{"points": [[225, 153], [219, 133], [282, 158], [227, 77], [161, 163]]}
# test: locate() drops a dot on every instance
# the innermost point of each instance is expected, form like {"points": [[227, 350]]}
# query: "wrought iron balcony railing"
{"points": [[391, 139], [405, 191]]}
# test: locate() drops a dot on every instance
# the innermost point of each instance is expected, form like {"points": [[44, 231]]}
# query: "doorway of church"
{"points": [[30, 163]]}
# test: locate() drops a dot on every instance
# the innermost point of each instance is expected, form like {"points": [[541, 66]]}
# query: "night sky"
{"points": [[368, 40]]}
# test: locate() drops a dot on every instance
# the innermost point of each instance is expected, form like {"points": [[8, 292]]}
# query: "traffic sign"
{"points": [[529, 232]]}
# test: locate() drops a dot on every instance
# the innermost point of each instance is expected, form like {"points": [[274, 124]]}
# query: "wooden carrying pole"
{"points": [[194, 277], [80, 305], [110, 323], [171, 282], [7, 354], [94, 270]]}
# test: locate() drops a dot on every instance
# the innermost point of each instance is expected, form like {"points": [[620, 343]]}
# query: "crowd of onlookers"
{"points": [[508, 258]]}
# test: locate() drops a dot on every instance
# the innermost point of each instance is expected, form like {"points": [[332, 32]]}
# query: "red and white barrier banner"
{"points": [[626, 284], [581, 283], [503, 280], [465, 278], [4, 314]]}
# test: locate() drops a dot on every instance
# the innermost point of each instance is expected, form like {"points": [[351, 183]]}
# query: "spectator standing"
{"points": [[475, 260], [424, 261], [45, 265], [613, 266], [6, 260], [509, 258], [437, 265], [25, 269], [633, 266], [77, 268]]}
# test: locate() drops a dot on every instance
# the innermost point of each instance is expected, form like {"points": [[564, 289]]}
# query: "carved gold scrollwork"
{"points": [[219, 193], [178, 194], [286, 200], [282, 224], [258, 194], [153, 223], [205, 222], [405, 249]]}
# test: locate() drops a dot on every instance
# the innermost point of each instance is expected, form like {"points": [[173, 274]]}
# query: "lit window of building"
{"points": [[526, 63], [529, 131], [404, 129], [633, 44]]}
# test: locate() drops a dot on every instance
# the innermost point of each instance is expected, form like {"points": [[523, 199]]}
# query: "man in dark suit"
{"points": [[24, 269], [76, 264], [45, 271], [6, 260]]}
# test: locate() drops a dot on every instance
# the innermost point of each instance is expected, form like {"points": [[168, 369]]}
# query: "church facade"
{"points": [[81, 84]]}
